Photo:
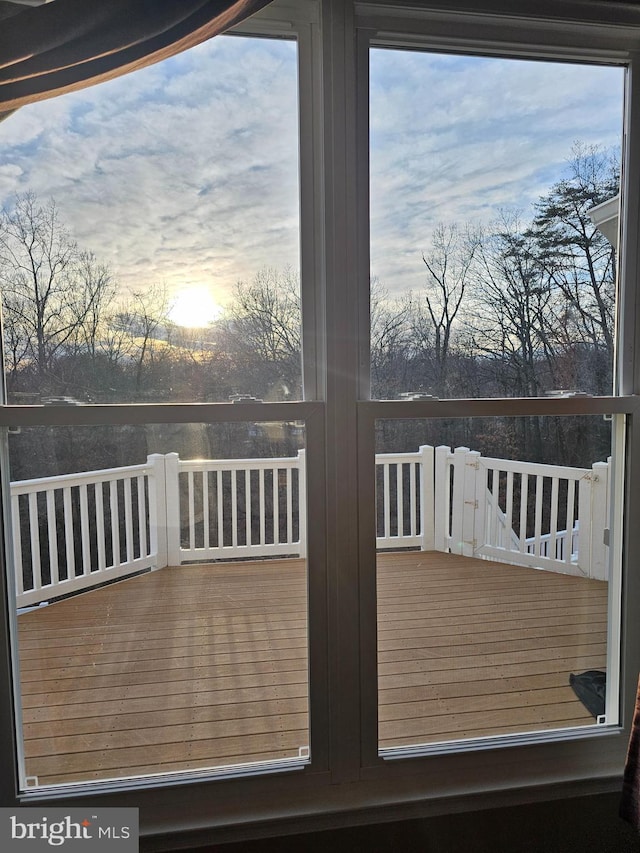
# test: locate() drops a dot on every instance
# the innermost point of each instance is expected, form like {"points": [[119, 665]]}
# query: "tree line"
{"points": [[516, 308], [513, 309], [70, 330]]}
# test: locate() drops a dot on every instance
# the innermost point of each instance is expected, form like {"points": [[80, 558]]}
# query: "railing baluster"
{"points": [[553, 526], [571, 498], [84, 530], [538, 514], [52, 534], [276, 507], [205, 509], [192, 511], [234, 508], [399, 500], [34, 532], [128, 519], [261, 475], [68, 532], [494, 506], [524, 505], [100, 533], [115, 523], [220, 506], [509, 512], [247, 505]]}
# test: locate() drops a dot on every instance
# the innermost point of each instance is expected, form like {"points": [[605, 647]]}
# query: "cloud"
{"points": [[456, 139], [187, 172], [183, 173]]}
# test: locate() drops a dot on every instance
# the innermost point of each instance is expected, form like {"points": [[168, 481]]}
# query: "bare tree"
{"points": [[136, 330], [390, 362], [261, 332], [16, 338], [513, 311], [95, 299], [52, 292], [437, 310]]}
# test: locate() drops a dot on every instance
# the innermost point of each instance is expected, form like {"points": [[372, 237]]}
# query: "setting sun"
{"points": [[194, 307]]}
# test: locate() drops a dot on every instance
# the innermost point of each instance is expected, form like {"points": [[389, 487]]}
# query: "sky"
{"points": [[186, 173], [459, 139], [183, 174]]}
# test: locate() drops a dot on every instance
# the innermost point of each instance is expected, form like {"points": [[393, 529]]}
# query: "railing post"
{"points": [[17, 544], [585, 524], [171, 462], [480, 519], [302, 502], [600, 520], [427, 498], [457, 499], [470, 503], [157, 510], [464, 501], [442, 493]]}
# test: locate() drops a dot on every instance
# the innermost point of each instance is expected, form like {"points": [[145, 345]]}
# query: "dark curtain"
{"points": [[630, 804], [68, 44]]}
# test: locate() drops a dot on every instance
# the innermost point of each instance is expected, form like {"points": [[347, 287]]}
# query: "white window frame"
{"points": [[382, 29], [347, 781], [299, 21]]}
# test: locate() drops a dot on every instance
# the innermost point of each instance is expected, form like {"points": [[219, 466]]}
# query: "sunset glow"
{"points": [[195, 308]]}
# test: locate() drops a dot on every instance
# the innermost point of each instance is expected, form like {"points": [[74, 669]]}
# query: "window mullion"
{"points": [[340, 154], [628, 318]]}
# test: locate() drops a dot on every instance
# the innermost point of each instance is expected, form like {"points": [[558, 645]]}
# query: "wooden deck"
{"points": [[469, 648], [205, 666]]}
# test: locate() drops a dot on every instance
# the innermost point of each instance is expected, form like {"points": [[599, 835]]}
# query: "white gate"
{"points": [[528, 514]]}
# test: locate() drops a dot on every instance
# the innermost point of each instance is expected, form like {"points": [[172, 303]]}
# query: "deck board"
{"points": [[469, 648], [205, 666]]}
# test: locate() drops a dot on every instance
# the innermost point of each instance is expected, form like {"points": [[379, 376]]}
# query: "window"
{"points": [[197, 659], [136, 289], [435, 178], [489, 276], [347, 608], [497, 575], [490, 279], [150, 299]]}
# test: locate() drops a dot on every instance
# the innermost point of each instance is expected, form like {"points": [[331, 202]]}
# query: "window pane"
{"points": [[488, 275], [162, 598], [149, 233], [494, 572]]}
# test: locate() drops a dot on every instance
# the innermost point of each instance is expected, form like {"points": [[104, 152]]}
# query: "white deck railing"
{"points": [[76, 531], [545, 516], [405, 499], [64, 538], [231, 508]]}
